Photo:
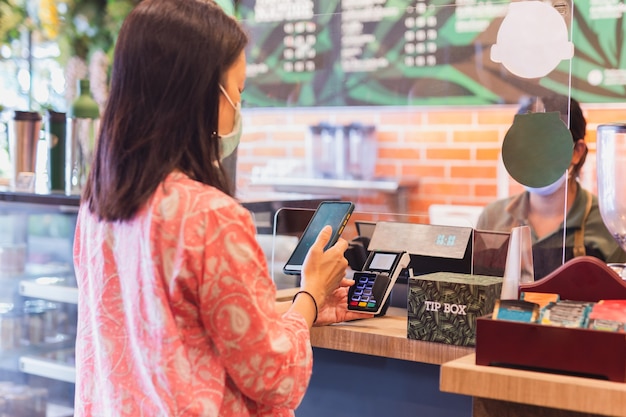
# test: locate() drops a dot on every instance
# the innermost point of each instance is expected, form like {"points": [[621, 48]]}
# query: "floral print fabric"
{"points": [[177, 313]]}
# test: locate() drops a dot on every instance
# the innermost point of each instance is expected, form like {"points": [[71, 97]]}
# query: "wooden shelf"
{"points": [[576, 351], [521, 387], [329, 186]]}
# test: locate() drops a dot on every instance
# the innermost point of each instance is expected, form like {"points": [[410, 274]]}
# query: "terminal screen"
{"points": [[382, 261]]}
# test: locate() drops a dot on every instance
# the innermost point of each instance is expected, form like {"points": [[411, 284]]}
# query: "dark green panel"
{"points": [[416, 52]]}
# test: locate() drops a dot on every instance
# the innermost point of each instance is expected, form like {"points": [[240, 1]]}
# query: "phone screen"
{"points": [[333, 213]]}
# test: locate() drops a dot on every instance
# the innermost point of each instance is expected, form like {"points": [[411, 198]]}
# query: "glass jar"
{"points": [[10, 327], [83, 125], [32, 329]]}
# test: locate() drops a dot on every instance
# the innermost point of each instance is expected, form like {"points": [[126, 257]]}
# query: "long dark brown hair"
{"points": [[162, 112]]}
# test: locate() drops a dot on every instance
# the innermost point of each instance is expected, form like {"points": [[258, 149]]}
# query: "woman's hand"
{"points": [[335, 308], [323, 271]]}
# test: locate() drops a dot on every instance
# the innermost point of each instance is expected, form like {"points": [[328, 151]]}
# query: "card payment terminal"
{"points": [[373, 285]]}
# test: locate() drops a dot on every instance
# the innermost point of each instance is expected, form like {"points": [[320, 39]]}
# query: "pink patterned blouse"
{"points": [[176, 313]]}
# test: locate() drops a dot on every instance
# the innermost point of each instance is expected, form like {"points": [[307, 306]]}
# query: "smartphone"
{"points": [[332, 213]]}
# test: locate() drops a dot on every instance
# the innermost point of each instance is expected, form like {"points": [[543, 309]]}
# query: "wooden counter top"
{"points": [[381, 336], [583, 395], [384, 336]]}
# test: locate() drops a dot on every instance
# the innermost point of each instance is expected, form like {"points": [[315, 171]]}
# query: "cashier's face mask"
{"points": [[548, 189], [229, 142]]}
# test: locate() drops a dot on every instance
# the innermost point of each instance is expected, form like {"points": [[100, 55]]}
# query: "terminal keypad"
{"points": [[369, 287]]}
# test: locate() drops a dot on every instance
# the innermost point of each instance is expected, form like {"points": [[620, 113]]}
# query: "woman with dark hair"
{"points": [[177, 311], [542, 208]]}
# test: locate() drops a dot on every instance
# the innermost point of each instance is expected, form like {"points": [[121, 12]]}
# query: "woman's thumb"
{"points": [[323, 237]]}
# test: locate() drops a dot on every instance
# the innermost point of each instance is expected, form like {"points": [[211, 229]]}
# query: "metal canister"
{"points": [[55, 136], [24, 133]]}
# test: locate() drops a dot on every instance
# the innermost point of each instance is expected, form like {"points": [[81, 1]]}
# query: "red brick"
{"points": [[409, 118], [477, 131], [449, 117], [473, 136], [488, 154], [386, 170], [486, 190], [444, 188], [308, 119], [367, 118], [244, 166], [423, 171], [447, 154], [590, 136], [248, 137], [387, 137], [419, 207], [262, 118], [498, 116], [267, 151], [426, 136], [299, 152], [473, 172], [604, 115], [399, 153], [373, 198]]}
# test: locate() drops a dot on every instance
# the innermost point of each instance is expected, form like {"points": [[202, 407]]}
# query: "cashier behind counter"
{"points": [[542, 208]]}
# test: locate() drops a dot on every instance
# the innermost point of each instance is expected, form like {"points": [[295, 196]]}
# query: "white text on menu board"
{"points": [[606, 9], [354, 14], [298, 28], [475, 15], [599, 11], [283, 10], [420, 35]]}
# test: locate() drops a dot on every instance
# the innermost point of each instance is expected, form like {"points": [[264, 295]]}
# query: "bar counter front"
{"points": [[370, 368]]}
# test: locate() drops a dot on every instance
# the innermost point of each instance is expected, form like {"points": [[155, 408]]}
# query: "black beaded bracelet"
{"points": [[312, 298]]}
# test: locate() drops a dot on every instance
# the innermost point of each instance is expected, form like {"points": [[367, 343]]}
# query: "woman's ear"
{"points": [[578, 157], [580, 152]]}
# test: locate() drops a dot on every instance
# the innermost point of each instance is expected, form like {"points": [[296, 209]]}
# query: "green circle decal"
{"points": [[537, 149]]}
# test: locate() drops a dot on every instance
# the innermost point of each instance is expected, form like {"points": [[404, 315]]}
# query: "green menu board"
{"points": [[417, 52]]}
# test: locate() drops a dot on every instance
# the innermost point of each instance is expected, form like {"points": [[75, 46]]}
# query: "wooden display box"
{"points": [[581, 352]]}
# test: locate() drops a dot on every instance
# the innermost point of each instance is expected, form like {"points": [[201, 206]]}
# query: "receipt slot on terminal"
{"points": [[373, 284]]}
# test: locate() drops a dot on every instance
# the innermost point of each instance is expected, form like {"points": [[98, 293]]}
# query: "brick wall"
{"points": [[452, 153]]}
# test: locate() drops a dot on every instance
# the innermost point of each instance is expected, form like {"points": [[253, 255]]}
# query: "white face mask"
{"points": [[229, 142], [548, 189]]}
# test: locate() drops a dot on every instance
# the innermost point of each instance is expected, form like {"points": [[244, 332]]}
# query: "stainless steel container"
{"points": [[326, 151], [24, 135], [361, 151]]}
